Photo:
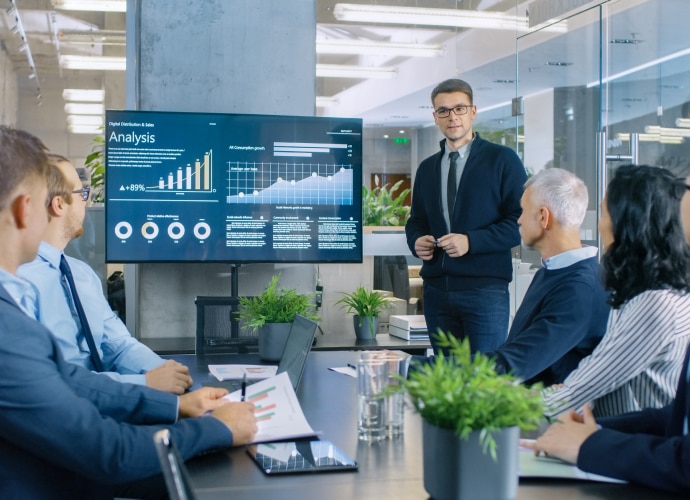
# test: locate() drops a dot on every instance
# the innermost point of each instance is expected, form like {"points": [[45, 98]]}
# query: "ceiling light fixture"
{"points": [[675, 132], [93, 5], [93, 37], [683, 122], [85, 120], [663, 139], [453, 18], [635, 69], [78, 108], [344, 71], [93, 62], [85, 129], [324, 102], [367, 47], [83, 95]]}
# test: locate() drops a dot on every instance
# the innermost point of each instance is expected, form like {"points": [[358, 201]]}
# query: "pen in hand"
{"points": [[244, 387]]}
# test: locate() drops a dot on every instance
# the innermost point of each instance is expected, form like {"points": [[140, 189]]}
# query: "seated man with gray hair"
{"points": [[564, 312]]}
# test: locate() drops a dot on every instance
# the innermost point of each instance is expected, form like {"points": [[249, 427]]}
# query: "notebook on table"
{"points": [[294, 358]]}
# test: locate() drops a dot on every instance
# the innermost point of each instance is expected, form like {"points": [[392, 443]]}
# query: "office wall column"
{"points": [[216, 56]]}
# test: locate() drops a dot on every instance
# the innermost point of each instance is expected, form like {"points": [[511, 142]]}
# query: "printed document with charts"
{"points": [[278, 412]]}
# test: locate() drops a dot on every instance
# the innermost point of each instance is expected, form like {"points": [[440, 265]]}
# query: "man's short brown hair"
{"points": [[58, 185], [22, 155], [450, 86]]}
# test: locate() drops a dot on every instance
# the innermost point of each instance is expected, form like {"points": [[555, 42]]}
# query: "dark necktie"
{"points": [[452, 183], [86, 330]]}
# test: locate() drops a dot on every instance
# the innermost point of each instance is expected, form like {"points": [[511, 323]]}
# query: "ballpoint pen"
{"points": [[352, 366], [244, 387]]}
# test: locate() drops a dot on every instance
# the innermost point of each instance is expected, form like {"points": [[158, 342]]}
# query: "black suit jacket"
{"points": [[647, 447]]}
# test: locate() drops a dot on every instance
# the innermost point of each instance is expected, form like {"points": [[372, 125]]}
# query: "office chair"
{"points": [[218, 330], [174, 471]]}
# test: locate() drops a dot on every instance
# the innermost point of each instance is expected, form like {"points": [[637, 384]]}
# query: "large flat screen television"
{"points": [[210, 187]]}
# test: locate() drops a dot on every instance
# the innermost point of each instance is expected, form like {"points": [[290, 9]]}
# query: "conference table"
{"points": [[391, 468]]}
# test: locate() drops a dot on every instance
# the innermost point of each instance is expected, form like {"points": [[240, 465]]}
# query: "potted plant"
{"points": [[366, 306], [270, 315], [382, 207], [95, 164], [471, 422]]}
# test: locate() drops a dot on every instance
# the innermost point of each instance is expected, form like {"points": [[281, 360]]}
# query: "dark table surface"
{"points": [[389, 469]]}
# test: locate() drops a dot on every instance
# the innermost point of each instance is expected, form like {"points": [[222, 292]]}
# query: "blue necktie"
{"points": [[86, 330], [452, 184]]}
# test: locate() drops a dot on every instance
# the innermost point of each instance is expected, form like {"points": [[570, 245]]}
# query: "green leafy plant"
{"points": [[363, 303], [382, 207], [95, 164], [463, 392], [275, 305]]}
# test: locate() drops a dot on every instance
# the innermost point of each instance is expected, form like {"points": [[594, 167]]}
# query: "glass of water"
{"points": [[372, 380]]}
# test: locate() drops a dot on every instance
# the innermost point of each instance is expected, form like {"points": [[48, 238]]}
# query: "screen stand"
{"points": [[234, 293]]}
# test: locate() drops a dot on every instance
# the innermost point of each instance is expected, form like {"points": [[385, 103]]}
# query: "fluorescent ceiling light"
{"points": [[454, 18], [663, 139], [78, 108], [324, 102], [93, 62], [676, 132], [86, 120], [94, 5], [683, 122], [367, 47], [83, 95], [93, 37], [635, 69], [344, 71], [86, 129]]}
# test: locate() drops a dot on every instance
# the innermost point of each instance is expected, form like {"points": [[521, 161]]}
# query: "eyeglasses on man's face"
{"points": [[460, 109], [83, 193]]}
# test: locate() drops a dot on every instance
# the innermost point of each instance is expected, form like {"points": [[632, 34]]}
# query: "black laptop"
{"points": [[294, 358]]}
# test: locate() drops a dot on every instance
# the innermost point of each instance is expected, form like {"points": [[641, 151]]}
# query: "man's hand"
{"points": [[424, 247], [455, 245], [240, 419], [171, 376], [196, 403], [565, 437]]}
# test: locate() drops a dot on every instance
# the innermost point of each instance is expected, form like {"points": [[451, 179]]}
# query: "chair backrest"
{"points": [[217, 327], [174, 471]]}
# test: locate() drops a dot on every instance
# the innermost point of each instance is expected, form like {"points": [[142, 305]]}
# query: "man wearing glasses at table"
{"points": [[463, 224], [107, 346]]}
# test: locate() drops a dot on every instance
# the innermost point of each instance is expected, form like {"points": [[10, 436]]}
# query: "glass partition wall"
{"points": [[610, 89]]}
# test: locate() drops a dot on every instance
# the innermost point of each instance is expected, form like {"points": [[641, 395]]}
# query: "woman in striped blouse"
{"points": [[647, 272]]}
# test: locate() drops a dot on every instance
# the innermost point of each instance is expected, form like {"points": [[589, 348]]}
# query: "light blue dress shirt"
{"points": [[124, 358], [569, 258]]}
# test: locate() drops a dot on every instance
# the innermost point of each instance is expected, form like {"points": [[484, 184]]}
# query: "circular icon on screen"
{"points": [[202, 230], [149, 230], [176, 230], [123, 230]]}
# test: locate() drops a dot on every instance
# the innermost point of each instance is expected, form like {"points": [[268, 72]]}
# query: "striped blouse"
{"points": [[637, 363]]}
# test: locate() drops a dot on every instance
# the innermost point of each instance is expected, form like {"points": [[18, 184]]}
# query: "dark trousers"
{"points": [[481, 314]]}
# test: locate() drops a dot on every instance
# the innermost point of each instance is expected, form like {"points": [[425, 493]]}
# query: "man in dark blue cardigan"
{"points": [[564, 312], [463, 224], [649, 447]]}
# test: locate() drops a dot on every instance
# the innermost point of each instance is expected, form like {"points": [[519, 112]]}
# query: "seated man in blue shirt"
{"points": [[564, 312], [123, 357]]}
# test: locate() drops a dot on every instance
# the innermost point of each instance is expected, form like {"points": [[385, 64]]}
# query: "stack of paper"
{"points": [[409, 327]]}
